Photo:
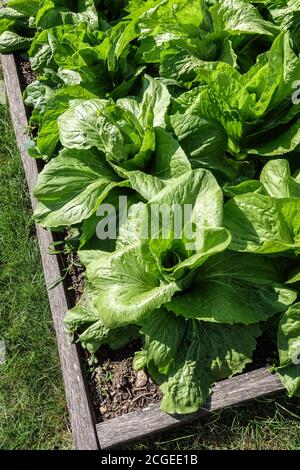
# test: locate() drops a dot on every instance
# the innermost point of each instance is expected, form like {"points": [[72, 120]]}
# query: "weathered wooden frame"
{"points": [[87, 434]]}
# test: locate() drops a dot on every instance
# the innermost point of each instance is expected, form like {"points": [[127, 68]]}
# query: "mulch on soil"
{"points": [[117, 388], [26, 74]]}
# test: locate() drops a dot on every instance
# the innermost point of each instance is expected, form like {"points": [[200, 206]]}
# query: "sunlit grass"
{"points": [[33, 412], [267, 424]]}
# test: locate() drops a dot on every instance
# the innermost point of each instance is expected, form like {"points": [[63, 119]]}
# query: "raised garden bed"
{"points": [[89, 431]]}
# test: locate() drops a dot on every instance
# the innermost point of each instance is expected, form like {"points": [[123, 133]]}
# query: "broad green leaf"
{"points": [[192, 355], [128, 286], [160, 346], [154, 95], [37, 95], [169, 161], [234, 288], [55, 12], [23, 8], [278, 181], [289, 350], [130, 230], [290, 378], [273, 75], [40, 52], [10, 41], [184, 223], [71, 187], [146, 185], [240, 17], [285, 142], [83, 322], [209, 353], [244, 187], [204, 139], [261, 224], [193, 12], [52, 107], [197, 189], [79, 126], [289, 336]]}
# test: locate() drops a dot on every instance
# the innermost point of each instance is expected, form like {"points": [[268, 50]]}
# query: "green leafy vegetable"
{"points": [[170, 137], [72, 186], [262, 224]]}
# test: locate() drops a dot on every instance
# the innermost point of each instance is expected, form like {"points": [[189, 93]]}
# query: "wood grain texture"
{"points": [[81, 416], [230, 392]]}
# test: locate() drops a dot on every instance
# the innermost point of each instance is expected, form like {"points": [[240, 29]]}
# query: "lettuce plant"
{"points": [[185, 111]]}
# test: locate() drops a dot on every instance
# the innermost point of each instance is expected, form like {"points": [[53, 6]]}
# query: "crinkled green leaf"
{"points": [[10, 41], [55, 12], [193, 355], [71, 187], [169, 161], [83, 321], [21, 7], [289, 350], [278, 181], [137, 278], [47, 113], [244, 187], [128, 288], [261, 224], [234, 288], [240, 17]]}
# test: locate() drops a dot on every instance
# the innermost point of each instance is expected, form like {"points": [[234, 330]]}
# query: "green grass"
{"points": [[267, 424], [33, 412]]}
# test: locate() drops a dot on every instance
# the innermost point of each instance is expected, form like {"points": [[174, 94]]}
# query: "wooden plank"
{"points": [[230, 392], [81, 414]]}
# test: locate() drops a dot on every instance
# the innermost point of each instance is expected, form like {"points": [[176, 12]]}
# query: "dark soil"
{"points": [[117, 388], [26, 74], [264, 354]]}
